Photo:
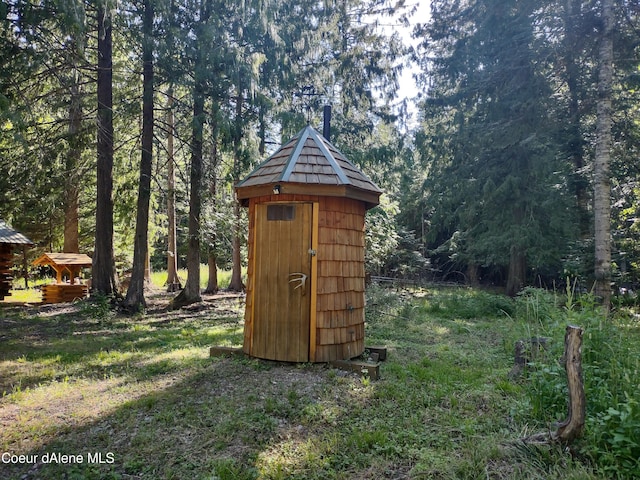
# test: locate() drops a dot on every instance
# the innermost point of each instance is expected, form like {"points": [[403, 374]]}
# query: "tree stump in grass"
{"points": [[572, 427], [525, 352]]}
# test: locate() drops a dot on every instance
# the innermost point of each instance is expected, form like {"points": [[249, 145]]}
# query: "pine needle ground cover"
{"points": [[90, 394]]}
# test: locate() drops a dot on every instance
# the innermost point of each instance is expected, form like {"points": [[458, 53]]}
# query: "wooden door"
{"points": [[282, 304]]}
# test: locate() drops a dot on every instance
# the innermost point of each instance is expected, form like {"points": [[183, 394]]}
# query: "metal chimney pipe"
{"points": [[326, 126]]}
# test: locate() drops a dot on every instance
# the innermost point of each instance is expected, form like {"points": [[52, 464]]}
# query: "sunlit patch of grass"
{"points": [[172, 361], [159, 278], [293, 457], [24, 295], [52, 408], [142, 327], [440, 330]]}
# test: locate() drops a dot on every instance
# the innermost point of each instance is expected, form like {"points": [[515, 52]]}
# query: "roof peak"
{"points": [[311, 133], [310, 162]]}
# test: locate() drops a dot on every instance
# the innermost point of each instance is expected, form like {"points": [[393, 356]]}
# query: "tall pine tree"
{"points": [[497, 193]]}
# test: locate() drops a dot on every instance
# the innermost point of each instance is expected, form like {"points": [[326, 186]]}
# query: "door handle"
{"points": [[301, 281]]}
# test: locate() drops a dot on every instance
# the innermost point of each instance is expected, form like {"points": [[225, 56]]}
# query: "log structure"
{"points": [[6, 262], [61, 293], [306, 277], [9, 239], [68, 286]]}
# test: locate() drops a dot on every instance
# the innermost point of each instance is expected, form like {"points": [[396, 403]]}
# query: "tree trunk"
{"points": [[236, 284], [602, 185], [191, 291], [173, 281], [25, 267], [472, 274], [212, 283], [104, 280], [572, 427], [71, 188], [135, 300], [517, 271], [71, 207], [262, 129], [147, 267]]}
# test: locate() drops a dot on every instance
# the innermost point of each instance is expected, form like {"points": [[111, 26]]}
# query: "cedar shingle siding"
{"points": [[309, 170]]}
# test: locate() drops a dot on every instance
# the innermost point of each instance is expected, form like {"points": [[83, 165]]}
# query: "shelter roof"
{"points": [[64, 259], [309, 164], [11, 236]]}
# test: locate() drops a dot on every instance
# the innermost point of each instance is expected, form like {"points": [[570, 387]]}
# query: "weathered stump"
{"points": [[572, 427], [526, 351]]}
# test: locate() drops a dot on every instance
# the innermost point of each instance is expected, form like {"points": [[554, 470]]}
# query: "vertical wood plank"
{"points": [[314, 283], [281, 318]]}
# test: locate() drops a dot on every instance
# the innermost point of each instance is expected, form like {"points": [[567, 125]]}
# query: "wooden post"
{"points": [[572, 427], [25, 267], [58, 271]]}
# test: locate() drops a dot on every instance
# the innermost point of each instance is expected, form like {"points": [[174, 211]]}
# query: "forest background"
{"points": [[523, 155]]}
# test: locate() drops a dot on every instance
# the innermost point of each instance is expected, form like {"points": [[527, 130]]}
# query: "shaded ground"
{"points": [[141, 394], [124, 385]]}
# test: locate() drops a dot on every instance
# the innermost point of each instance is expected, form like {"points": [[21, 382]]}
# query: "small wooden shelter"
{"points": [[9, 239], [305, 285], [65, 265]]}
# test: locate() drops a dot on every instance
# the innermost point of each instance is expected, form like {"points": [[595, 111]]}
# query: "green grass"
{"points": [[143, 390], [23, 295], [224, 277], [19, 294]]}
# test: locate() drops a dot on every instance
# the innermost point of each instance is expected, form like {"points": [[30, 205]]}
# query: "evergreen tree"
{"points": [[173, 281], [44, 116], [496, 190]]}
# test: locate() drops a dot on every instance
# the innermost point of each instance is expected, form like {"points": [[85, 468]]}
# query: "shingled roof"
{"points": [[63, 259], [309, 164], [11, 236]]}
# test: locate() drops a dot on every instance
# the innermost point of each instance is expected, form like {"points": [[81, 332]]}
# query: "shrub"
{"points": [[98, 306], [612, 373]]}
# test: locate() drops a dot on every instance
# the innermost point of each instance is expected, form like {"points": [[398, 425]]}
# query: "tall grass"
{"points": [[611, 371]]}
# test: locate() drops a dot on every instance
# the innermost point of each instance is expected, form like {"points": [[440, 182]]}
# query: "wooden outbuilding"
{"points": [[306, 275], [68, 286], [9, 239]]}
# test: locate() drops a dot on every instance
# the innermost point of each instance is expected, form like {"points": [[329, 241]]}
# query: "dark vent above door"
{"points": [[285, 213]]}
